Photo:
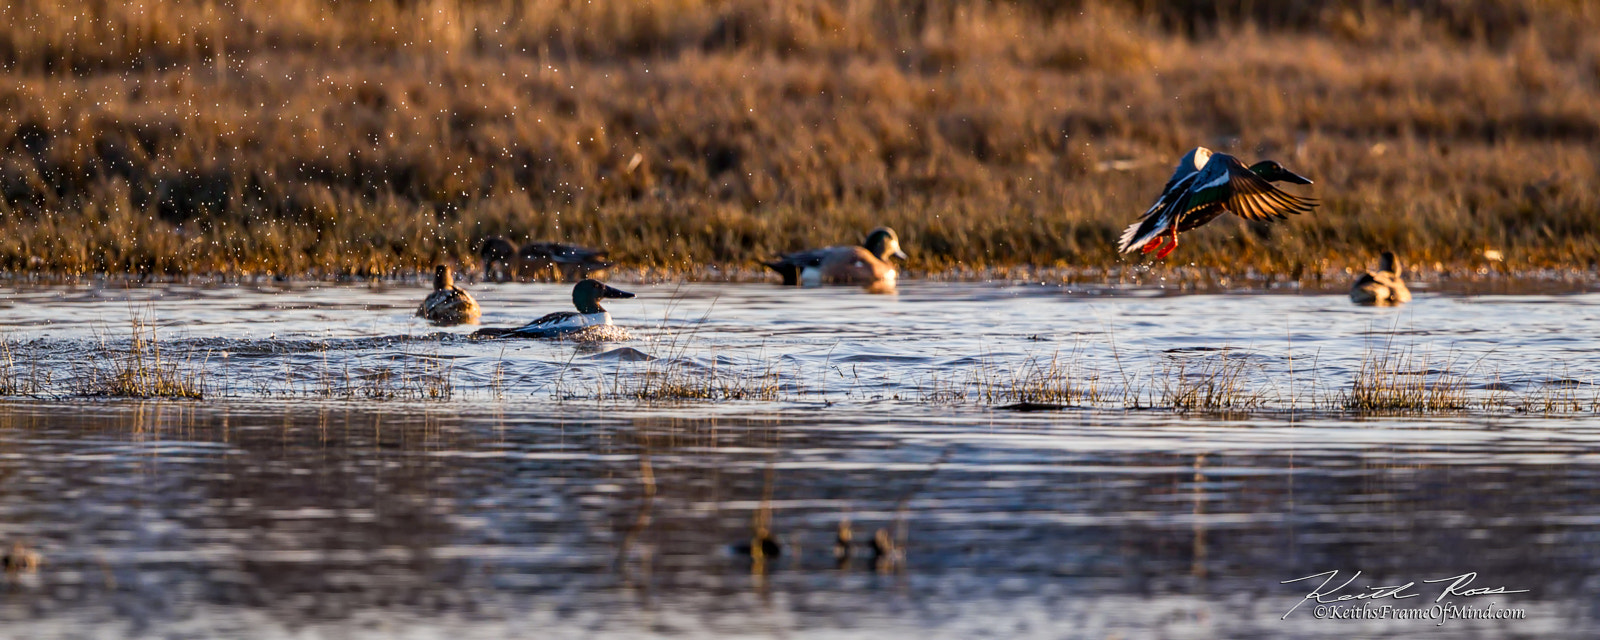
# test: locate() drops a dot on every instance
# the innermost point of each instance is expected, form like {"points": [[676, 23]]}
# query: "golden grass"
{"points": [[317, 137], [1059, 381], [1392, 381], [1217, 383], [139, 370], [673, 375], [9, 382]]}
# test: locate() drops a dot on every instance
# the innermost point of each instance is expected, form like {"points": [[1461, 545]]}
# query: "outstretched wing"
{"points": [[1251, 197], [1188, 165], [1227, 183]]}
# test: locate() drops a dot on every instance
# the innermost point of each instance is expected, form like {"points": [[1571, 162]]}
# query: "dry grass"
{"points": [[9, 382], [398, 376], [1060, 381], [139, 370], [1214, 383], [684, 380], [1404, 380], [674, 374], [320, 137]]}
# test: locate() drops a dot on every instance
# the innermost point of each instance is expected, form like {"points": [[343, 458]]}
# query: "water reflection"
{"points": [[339, 519]]}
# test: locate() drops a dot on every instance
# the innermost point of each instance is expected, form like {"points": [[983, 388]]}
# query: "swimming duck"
{"points": [[559, 262], [20, 559], [1382, 287], [867, 264], [585, 296], [761, 546], [886, 554], [448, 304], [1204, 186], [843, 541], [497, 254]]}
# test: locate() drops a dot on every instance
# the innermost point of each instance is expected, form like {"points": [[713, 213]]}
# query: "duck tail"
{"points": [[1139, 233]]}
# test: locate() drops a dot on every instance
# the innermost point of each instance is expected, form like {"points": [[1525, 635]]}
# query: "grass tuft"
{"points": [[1217, 382], [1403, 380], [140, 370]]}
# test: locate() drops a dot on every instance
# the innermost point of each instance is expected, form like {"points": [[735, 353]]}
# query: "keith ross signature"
{"points": [[1323, 595]]}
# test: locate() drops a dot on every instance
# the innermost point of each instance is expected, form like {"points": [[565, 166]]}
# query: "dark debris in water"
{"points": [[1196, 349], [1032, 406]]}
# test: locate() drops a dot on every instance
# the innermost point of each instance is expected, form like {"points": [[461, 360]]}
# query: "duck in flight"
{"points": [[557, 261], [448, 304], [585, 296], [867, 264], [1206, 185]]}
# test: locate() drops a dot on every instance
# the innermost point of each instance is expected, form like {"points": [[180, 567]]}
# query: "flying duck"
{"points": [[1382, 287], [559, 262], [867, 264], [448, 304], [585, 296], [1204, 186], [497, 254]]}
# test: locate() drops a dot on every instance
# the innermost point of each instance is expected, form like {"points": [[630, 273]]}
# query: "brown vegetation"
{"points": [[321, 137]]}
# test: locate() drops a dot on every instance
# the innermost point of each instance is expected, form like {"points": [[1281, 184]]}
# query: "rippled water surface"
{"points": [[354, 472]]}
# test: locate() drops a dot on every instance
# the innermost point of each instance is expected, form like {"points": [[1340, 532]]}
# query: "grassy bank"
{"points": [[321, 137]]}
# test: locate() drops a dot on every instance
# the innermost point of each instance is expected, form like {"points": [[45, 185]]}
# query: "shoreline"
{"points": [[1185, 279]]}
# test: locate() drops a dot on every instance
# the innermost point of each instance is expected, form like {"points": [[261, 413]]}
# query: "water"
{"points": [[534, 501]]}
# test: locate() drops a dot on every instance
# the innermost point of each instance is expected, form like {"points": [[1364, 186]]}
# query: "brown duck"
{"points": [[867, 264], [448, 304], [1383, 287]]}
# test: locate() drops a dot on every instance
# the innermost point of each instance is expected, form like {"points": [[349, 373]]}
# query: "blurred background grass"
{"points": [[351, 137]]}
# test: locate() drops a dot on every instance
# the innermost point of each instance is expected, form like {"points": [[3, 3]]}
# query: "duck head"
{"points": [[586, 296], [883, 242], [441, 278], [1271, 171], [1388, 262]]}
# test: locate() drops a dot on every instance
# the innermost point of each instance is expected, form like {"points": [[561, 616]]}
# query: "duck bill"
{"points": [[612, 292], [1292, 177], [899, 254]]}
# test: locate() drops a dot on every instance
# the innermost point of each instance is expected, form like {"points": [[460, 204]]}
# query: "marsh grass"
{"points": [[674, 374], [1405, 380], [141, 369], [682, 379], [403, 376], [1555, 396], [1219, 382], [1062, 381], [324, 137], [9, 383]]}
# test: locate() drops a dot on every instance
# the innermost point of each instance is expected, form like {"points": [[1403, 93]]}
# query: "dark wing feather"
{"points": [[1251, 197], [1199, 217], [1184, 170], [563, 253], [550, 318], [542, 328], [790, 265]]}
